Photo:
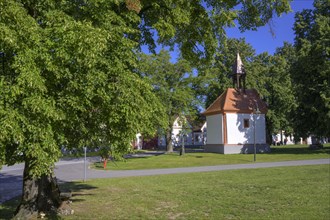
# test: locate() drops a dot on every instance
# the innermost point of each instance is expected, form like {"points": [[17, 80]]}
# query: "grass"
{"points": [[268, 193], [279, 153]]}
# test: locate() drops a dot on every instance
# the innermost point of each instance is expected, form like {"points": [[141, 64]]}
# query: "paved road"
{"points": [[69, 170]]}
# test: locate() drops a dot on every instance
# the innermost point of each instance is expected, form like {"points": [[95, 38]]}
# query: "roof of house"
{"points": [[196, 122], [198, 126], [238, 101]]}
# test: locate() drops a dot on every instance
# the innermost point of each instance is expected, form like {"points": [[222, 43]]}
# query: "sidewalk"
{"points": [[75, 172]]}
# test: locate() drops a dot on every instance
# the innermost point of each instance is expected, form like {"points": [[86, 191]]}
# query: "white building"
{"points": [[199, 134], [195, 136], [233, 125]]}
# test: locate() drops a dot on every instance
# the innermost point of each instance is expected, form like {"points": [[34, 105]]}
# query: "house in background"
{"points": [[236, 119], [176, 134], [199, 134], [195, 133]]}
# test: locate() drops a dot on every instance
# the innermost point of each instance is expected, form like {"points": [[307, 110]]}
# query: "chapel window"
{"points": [[246, 123]]}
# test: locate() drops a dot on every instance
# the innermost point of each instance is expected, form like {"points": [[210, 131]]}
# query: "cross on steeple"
{"points": [[239, 73]]}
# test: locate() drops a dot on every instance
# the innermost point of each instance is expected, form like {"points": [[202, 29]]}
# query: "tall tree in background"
{"points": [[68, 74], [270, 75], [311, 71], [172, 83], [287, 56]]}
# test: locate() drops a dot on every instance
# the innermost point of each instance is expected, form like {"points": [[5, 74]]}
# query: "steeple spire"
{"points": [[238, 73]]}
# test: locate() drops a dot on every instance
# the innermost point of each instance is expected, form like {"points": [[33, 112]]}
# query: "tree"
{"points": [[186, 129], [270, 75], [311, 71], [172, 84], [67, 80], [198, 27], [68, 75], [286, 56]]}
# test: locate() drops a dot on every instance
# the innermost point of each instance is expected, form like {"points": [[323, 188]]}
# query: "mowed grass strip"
{"points": [[266, 193], [279, 153], [269, 193], [275, 193]]}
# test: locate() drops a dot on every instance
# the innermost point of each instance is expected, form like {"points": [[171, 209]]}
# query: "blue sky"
{"points": [[262, 40]]}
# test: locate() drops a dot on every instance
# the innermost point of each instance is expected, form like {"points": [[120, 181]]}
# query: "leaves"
{"points": [[197, 27], [268, 74], [310, 71], [172, 84], [67, 80], [69, 75]]}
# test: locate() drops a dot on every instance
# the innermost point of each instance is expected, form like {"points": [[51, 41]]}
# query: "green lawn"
{"points": [[279, 153], [268, 193], [272, 193]]}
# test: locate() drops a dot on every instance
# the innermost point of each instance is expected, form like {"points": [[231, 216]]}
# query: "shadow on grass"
{"points": [[76, 188], [8, 208], [299, 150]]}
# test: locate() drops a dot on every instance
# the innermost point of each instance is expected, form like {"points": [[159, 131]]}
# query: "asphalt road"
{"points": [[74, 169]]}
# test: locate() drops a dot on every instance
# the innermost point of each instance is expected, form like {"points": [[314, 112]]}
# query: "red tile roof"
{"points": [[236, 101]]}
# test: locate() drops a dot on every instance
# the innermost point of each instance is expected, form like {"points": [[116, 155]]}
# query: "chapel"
{"points": [[236, 119]]}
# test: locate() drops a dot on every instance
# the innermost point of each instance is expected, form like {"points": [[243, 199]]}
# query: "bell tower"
{"points": [[236, 120], [239, 74]]}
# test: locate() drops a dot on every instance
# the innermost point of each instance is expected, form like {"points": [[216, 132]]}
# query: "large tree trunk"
{"points": [[169, 143], [39, 195]]}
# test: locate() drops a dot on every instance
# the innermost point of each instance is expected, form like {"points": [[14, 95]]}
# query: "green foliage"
{"points": [[68, 68], [311, 70], [268, 74], [172, 83], [197, 27], [217, 76], [68, 80], [69, 75], [104, 152]]}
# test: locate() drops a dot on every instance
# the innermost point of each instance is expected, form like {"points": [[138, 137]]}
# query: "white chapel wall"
{"points": [[260, 129], [214, 129], [237, 134]]}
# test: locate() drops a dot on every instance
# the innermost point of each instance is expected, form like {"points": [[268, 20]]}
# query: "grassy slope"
{"points": [[268, 193], [281, 153], [275, 193]]}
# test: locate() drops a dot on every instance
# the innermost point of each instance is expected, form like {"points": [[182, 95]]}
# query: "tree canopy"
{"points": [[66, 82], [69, 71], [270, 75], [172, 83], [294, 81], [197, 27], [311, 70]]}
